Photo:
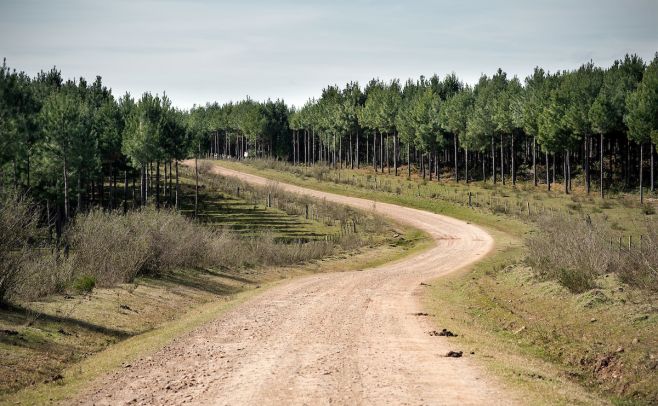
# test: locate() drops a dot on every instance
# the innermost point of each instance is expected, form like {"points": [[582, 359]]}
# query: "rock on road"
{"points": [[335, 338]]}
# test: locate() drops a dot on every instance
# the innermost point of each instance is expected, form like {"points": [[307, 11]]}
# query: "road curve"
{"points": [[338, 338]]}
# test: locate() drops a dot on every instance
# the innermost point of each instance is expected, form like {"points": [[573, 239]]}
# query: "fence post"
{"points": [[238, 193], [307, 212], [528, 205], [269, 199], [469, 200]]}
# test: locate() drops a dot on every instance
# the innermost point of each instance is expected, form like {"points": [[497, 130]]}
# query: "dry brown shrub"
{"points": [[577, 250]]}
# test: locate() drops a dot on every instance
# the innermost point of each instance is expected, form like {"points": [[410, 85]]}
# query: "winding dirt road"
{"points": [[338, 338]]}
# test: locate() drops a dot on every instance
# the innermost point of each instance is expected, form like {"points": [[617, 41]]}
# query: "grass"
{"points": [[559, 347], [248, 217], [54, 347]]}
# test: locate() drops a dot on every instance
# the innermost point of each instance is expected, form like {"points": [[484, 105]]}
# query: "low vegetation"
{"points": [[577, 250]]}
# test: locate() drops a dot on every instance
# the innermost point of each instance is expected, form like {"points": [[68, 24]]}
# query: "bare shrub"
{"points": [[19, 218], [43, 272], [113, 248], [204, 166], [577, 250], [107, 246]]}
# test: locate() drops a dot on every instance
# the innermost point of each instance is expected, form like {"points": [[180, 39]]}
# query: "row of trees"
{"points": [[69, 143], [551, 126]]}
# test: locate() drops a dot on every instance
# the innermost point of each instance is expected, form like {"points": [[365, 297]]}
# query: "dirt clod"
{"points": [[454, 354], [443, 333]]}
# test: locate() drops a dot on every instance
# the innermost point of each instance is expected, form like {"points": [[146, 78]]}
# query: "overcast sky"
{"points": [[200, 50]]}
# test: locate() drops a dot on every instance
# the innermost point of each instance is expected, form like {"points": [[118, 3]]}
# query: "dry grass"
{"points": [[577, 250]]}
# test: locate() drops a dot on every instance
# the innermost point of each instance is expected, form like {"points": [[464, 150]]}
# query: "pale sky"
{"points": [[201, 51]]}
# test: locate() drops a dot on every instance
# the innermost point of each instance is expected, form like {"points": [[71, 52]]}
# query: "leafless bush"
{"points": [[115, 248], [577, 250], [43, 272], [19, 218], [107, 246], [204, 166]]}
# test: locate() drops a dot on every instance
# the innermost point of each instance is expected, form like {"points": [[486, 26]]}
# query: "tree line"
{"points": [[72, 144], [550, 127]]}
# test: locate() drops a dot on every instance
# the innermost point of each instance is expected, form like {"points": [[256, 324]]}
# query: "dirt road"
{"points": [[339, 338]]}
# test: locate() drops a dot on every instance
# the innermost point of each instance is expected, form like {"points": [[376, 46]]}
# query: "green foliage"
{"points": [[84, 284], [609, 108], [455, 114], [480, 125], [642, 106]]}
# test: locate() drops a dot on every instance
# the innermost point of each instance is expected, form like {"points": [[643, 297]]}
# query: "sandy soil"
{"points": [[339, 338]]}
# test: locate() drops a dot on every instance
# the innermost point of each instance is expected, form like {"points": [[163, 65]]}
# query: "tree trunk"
{"points": [[388, 161], [408, 161], [157, 185], [166, 173], [513, 164], [454, 141], [465, 165], [367, 150], [28, 169], [66, 191], [170, 183], [125, 191], [422, 164], [374, 150], [502, 161], [176, 199], [569, 169], [641, 170], [564, 172], [196, 186], [651, 150], [340, 151], [548, 173], [148, 182], [79, 192], [351, 154], [587, 174], [142, 186], [395, 152], [381, 152], [601, 164], [357, 149], [493, 159], [534, 160]]}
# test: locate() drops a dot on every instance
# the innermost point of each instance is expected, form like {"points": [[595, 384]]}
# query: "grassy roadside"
{"points": [[559, 347]]}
